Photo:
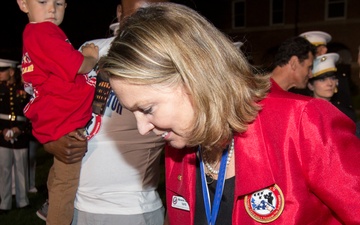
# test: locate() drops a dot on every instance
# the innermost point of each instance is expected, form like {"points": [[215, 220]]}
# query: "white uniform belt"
{"points": [[12, 118]]}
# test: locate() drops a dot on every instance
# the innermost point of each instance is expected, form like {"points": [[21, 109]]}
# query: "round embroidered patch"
{"points": [[265, 205]]}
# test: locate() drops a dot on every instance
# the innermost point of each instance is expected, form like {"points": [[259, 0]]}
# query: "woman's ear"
{"points": [[22, 5], [310, 86]]}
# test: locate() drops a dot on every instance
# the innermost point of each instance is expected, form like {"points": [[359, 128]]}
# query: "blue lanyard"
{"points": [[212, 213]]}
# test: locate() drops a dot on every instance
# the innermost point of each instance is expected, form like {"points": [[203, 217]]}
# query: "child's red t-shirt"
{"points": [[62, 98]]}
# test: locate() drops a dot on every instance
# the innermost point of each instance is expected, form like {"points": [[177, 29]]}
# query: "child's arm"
{"points": [[91, 56]]}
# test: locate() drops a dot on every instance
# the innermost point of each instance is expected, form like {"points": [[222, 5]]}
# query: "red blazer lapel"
{"points": [[250, 149]]}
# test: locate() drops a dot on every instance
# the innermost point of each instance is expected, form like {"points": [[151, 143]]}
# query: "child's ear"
{"points": [[22, 5]]}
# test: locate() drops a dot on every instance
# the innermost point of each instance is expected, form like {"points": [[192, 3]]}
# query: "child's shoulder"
{"points": [[47, 26], [42, 29]]}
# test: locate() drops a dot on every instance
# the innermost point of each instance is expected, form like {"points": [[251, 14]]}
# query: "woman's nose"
{"points": [[143, 125]]}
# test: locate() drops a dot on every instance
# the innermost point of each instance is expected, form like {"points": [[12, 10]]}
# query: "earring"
{"points": [[336, 86]]}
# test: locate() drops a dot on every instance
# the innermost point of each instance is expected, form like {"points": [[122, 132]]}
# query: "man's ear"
{"points": [[22, 5], [293, 62], [12, 72], [118, 12]]}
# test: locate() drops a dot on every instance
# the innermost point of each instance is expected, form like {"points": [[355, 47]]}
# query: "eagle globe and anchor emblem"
{"points": [[265, 205]]}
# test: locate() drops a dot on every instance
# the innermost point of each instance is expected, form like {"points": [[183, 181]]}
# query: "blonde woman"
{"points": [[236, 154]]}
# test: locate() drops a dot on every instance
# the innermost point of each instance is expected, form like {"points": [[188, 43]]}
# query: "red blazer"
{"points": [[303, 145]]}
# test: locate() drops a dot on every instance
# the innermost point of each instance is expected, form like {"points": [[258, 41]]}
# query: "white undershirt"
{"points": [[120, 171]]}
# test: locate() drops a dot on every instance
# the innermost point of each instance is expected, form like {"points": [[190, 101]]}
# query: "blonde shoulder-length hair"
{"points": [[171, 44]]}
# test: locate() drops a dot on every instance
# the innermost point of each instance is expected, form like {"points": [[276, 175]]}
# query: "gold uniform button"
{"points": [[179, 177]]}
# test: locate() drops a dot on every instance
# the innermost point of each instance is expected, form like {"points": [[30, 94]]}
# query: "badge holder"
{"points": [[102, 91]]}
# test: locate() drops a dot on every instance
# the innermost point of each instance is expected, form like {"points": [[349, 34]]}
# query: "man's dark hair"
{"points": [[295, 46]]}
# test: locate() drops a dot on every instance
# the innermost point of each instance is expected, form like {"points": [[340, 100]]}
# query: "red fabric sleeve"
{"points": [[331, 155]]}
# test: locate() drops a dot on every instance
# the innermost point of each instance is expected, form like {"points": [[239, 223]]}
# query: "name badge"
{"points": [[179, 203]]}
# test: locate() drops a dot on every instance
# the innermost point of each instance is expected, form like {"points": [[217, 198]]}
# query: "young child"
{"points": [[62, 93]]}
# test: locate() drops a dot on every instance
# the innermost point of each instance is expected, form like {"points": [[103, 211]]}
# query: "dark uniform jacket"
{"points": [[342, 99], [13, 99]]}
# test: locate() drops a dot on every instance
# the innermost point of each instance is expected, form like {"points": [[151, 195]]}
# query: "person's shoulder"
{"points": [[281, 95], [297, 104], [101, 42], [3, 86], [283, 103], [43, 25], [42, 29]]}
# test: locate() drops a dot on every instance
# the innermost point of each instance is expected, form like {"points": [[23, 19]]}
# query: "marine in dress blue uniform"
{"points": [[14, 138], [342, 98]]}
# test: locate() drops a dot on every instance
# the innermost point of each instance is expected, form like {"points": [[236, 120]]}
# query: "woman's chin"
{"points": [[178, 144]]}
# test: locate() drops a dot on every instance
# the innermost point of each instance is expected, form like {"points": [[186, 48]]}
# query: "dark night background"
{"points": [[84, 20]]}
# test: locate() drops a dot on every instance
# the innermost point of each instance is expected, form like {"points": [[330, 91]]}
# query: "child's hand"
{"points": [[90, 50], [91, 56]]}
